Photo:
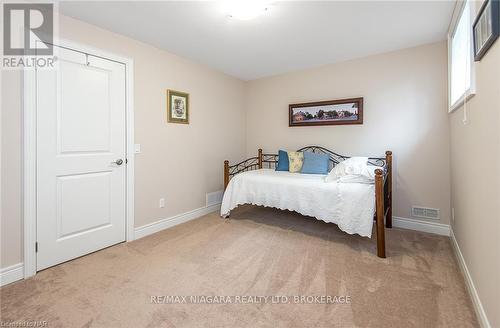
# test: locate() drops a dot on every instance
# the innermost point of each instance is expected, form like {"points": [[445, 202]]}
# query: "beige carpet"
{"points": [[259, 252]]}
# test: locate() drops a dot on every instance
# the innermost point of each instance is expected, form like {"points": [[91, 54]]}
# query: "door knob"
{"points": [[118, 162]]}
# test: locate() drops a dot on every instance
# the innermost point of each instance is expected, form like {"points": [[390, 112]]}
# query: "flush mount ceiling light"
{"points": [[245, 10]]}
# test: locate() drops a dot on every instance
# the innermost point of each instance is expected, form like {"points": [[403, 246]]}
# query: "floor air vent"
{"points": [[424, 212]]}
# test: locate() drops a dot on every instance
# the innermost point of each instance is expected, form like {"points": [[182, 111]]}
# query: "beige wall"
{"points": [[475, 182], [179, 162], [404, 111]]}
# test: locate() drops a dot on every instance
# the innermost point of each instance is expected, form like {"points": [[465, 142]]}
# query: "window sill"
{"points": [[461, 101]]}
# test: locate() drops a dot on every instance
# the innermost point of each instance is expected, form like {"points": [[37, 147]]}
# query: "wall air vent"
{"points": [[424, 212], [214, 198]]}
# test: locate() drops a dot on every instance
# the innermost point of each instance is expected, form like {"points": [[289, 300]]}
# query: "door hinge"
{"points": [[126, 160], [36, 247]]}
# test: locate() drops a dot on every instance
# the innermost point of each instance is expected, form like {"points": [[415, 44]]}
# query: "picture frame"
{"points": [[486, 28], [330, 112], [177, 107]]}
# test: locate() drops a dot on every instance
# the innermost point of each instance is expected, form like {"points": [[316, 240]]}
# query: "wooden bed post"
{"points": [[260, 158], [379, 201], [226, 174], [388, 159]]}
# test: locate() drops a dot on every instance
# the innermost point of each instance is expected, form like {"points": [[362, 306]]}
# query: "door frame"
{"points": [[30, 151]]}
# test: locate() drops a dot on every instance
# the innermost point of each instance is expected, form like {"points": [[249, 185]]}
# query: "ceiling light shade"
{"points": [[245, 9]]}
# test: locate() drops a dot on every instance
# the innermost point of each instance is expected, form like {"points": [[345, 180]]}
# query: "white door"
{"points": [[81, 174]]}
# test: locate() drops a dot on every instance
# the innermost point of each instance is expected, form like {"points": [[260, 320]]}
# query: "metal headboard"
{"points": [[271, 160]]}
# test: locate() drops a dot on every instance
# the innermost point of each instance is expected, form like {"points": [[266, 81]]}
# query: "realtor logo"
{"points": [[28, 29]]}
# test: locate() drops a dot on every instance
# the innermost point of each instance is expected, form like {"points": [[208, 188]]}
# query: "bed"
{"points": [[352, 206]]}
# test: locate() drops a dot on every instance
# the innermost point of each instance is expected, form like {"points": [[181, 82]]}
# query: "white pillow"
{"points": [[367, 176], [353, 170], [353, 165]]}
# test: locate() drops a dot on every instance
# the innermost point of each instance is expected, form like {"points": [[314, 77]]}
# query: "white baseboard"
{"points": [[412, 224], [11, 273], [162, 224], [476, 302]]}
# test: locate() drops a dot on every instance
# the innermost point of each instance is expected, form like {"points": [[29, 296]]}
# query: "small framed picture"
{"points": [[331, 112], [486, 28], [177, 107]]}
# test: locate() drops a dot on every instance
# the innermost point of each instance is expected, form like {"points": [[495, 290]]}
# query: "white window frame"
{"points": [[469, 93]]}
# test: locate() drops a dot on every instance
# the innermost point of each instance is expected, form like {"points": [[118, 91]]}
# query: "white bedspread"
{"points": [[349, 205]]}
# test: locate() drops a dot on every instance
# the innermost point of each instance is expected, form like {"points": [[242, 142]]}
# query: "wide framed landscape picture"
{"points": [[331, 112]]}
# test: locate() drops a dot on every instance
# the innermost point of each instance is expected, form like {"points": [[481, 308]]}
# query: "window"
{"points": [[461, 68]]}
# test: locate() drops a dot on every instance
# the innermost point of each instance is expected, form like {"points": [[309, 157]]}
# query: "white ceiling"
{"points": [[289, 36]]}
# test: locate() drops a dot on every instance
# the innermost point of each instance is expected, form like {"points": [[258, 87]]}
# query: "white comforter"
{"points": [[349, 205]]}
